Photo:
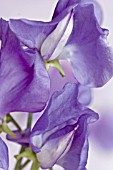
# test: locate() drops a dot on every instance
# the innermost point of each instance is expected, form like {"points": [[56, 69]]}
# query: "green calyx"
{"points": [[56, 64], [31, 156], [28, 153]]}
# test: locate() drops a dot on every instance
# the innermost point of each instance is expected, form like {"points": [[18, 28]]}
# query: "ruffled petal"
{"points": [[31, 33], [76, 157], [24, 81], [97, 9], [61, 101], [65, 5], [4, 158], [88, 52]]}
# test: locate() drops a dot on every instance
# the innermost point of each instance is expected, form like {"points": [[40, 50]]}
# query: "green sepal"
{"points": [[56, 64], [35, 165], [7, 118], [28, 153], [7, 130]]}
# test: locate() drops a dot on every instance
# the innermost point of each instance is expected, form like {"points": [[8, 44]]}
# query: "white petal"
{"points": [[53, 149], [54, 43]]}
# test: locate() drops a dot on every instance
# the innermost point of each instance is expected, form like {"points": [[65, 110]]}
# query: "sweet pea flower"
{"points": [[60, 135], [73, 35], [24, 81], [4, 159]]}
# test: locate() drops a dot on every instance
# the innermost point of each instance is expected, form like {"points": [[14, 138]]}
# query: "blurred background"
{"points": [[101, 132]]}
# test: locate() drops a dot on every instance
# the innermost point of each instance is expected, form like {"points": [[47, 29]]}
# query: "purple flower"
{"points": [[24, 81], [21, 138], [74, 35], [60, 135], [4, 159]]}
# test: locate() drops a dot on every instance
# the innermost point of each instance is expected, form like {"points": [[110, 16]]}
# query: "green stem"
{"points": [[50, 168], [24, 165], [15, 123], [29, 123], [18, 163]]}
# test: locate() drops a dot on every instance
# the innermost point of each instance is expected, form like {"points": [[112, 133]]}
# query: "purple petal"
{"points": [[0, 28], [42, 36], [64, 5], [54, 148], [3, 31], [76, 157], [84, 95], [60, 101], [66, 144], [4, 159], [24, 81], [31, 33], [55, 129], [97, 9], [89, 54], [21, 138]]}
